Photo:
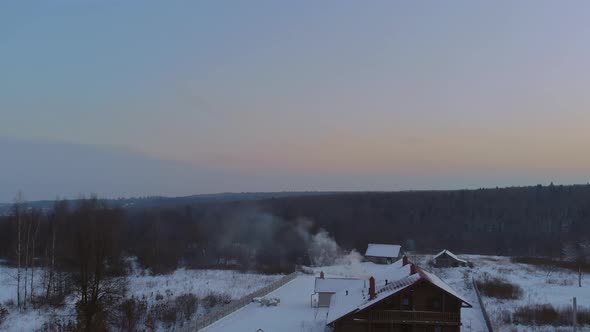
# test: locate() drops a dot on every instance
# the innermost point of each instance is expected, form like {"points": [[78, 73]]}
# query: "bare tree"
{"points": [[35, 220], [27, 241], [96, 255], [18, 211], [50, 262]]}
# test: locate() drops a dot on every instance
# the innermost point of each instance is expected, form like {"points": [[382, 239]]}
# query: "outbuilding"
{"points": [[446, 258], [383, 253], [324, 288]]}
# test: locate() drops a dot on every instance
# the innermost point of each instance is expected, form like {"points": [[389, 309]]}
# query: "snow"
{"points": [[140, 285], [383, 250], [295, 313], [540, 286], [333, 285], [342, 304], [401, 277], [198, 282], [442, 285], [30, 319]]}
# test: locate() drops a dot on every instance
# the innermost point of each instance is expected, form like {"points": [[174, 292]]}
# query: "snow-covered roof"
{"points": [[401, 277], [383, 250], [333, 285], [453, 256], [391, 272], [343, 304]]}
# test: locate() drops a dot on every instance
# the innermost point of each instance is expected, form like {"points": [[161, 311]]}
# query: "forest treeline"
{"points": [[274, 234]]}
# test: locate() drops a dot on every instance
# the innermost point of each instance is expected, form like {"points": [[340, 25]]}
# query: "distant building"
{"points": [[326, 287], [383, 253], [446, 258], [418, 301]]}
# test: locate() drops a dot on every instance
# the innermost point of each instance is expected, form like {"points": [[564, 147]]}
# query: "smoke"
{"points": [[323, 249], [265, 232]]}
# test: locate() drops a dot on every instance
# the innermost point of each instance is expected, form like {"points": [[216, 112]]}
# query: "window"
{"points": [[406, 302], [435, 304]]}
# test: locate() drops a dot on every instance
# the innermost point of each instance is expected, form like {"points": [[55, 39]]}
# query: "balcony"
{"points": [[414, 317]]}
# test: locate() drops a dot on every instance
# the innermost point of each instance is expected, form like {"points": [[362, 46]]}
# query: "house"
{"points": [[324, 288], [383, 253], [446, 258], [418, 301]]}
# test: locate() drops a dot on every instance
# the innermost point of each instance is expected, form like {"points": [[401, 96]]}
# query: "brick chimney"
{"points": [[413, 269], [321, 274], [404, 260], [371, 288]]}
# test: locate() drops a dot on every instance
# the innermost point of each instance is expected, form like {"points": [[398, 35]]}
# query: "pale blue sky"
{"points": [[308, 87]]}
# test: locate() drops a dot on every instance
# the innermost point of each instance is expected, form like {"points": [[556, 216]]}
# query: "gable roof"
{"points": [[333, 285], [450, 254], [343, 304], [383, 250]]}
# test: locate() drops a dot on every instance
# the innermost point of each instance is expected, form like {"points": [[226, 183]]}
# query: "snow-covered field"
{"points": [[294, 313], [540, 286], [199, 282], [28, 320]]}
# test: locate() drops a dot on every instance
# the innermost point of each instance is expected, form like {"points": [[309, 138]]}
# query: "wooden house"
{"points": [[418, 302]]}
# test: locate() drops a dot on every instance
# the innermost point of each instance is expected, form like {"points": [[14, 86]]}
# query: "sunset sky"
{"points": [[498, 91]]}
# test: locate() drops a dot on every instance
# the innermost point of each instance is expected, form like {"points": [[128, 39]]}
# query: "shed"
{"points": [[383, 253], [326, 287], [446, 258]]}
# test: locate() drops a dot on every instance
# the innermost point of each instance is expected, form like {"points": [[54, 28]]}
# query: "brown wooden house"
{"points": [[418, 302]]}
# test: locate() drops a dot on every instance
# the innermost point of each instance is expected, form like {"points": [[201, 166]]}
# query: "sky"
{"points": [[461, 93]]}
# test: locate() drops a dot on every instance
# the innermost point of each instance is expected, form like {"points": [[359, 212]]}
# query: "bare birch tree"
{"points": [[17, 212]]}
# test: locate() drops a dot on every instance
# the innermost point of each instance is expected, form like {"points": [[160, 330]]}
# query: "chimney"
{"points": [[413, 269], [404, 260], [321, 274], [371, 288]]}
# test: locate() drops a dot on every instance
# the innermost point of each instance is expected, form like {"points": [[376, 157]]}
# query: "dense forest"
{"points": [[276, 233]]}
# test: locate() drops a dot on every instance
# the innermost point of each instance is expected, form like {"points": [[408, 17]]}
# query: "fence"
{"points": [[483, 308], [220, 312]]}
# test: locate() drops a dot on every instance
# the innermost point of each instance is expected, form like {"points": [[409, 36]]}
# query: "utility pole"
{"points": [[575, 316]]}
